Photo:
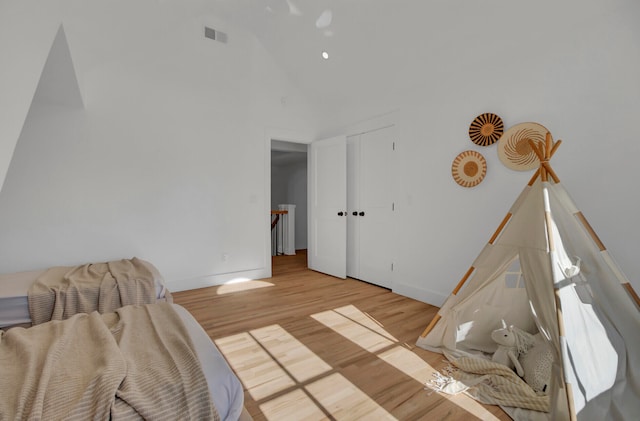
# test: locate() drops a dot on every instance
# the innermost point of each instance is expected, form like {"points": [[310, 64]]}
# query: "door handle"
{"points": [[354, 213], [361, 214], [340, 213]]}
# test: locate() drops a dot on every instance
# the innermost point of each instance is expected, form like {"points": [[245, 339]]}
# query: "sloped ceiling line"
{"points": [[57, 85], [58, 82]]}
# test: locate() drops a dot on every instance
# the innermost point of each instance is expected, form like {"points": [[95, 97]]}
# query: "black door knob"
{"points": [[340, 213], [354, 213], [361, 213]]}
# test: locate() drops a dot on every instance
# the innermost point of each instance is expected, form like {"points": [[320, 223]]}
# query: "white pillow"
{"points": [[536, 364]]}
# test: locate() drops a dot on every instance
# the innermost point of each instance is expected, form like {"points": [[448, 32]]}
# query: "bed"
{"points": [[224, 388], [14, 290]]}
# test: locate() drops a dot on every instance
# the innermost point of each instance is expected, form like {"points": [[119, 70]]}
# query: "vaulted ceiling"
{"points": [[383, 50], [366, 41]]}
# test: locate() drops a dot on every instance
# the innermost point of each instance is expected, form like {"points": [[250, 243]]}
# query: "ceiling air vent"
{"points": [[215, 35]]}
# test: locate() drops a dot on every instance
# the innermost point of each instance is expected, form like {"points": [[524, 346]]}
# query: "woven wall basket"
{"points": [[469, 168]]}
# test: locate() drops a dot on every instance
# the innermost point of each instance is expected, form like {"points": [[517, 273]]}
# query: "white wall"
{"points": [[571, 66], [166, 160], [21, 68]]}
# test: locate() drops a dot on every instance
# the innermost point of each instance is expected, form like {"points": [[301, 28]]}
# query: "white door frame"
{"points": [[285, 136], [273, 133]]}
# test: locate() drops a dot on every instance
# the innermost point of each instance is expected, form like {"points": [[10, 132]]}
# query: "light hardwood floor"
{"points": [[309, 346]]}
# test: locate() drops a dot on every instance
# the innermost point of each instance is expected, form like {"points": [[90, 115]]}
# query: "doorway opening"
{"points": [[288, 202]]}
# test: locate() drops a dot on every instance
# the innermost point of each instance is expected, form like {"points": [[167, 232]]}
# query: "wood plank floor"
{"points": [[308, 346]]}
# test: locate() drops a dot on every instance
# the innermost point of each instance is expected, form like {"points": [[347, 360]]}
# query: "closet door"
{"points": [[370, 196], [353, 206], [327, 199], [376, 202]]}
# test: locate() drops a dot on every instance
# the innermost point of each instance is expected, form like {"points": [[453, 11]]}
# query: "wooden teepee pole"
{"points": [[533, 179], [544, 153], [632, 293]]}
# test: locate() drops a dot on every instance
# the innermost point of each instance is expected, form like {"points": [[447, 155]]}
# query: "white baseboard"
{"points": [[220, 279], [426, 296]]}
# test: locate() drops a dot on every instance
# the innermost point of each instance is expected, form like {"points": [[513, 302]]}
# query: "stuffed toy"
{"points": [[512, 342]]}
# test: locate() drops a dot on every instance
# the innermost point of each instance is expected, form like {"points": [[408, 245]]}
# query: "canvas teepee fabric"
{"points": [[546, 271]]}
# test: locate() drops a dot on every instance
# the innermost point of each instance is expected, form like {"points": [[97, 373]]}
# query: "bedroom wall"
{"points": [[166, 159], [20, 71], [571, 66]]}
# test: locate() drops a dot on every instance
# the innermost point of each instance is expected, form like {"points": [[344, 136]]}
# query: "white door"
{"points": [[376, 206], [370, 206], [327, 165], [353, 206]]}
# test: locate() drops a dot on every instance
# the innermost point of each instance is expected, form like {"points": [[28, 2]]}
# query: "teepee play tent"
{"points": [[546, 271]]}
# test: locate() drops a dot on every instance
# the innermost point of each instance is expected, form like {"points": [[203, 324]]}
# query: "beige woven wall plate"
{"points": [[469, 168], [514, 149], [486, 129]]}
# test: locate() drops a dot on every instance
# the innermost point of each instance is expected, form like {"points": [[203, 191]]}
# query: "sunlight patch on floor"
{"points": [[261, 375], [344, 401], [353, 313], [409, 363], [362, 336], [242, 284], [291, 382], [293, 406], [299, 361]]}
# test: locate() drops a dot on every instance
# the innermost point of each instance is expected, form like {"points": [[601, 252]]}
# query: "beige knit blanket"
{"points": [[488, 382], [136, 363], [63, 291]]}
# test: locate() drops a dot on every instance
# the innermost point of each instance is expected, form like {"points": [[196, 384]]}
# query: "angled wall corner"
{"points": [[57, 85]]}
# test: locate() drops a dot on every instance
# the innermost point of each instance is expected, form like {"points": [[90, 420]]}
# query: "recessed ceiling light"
{"points": [[325, 55]]}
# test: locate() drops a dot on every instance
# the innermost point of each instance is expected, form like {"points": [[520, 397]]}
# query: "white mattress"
{"points": [[14, 305], [226, 390]]}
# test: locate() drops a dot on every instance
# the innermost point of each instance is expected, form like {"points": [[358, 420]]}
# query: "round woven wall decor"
{"points": [[514, 149], [486, 129], [469, 168]]}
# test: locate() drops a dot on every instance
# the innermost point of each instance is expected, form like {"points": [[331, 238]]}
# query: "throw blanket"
{"points": [[64, 291], [136, 363], [490, 383]]}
